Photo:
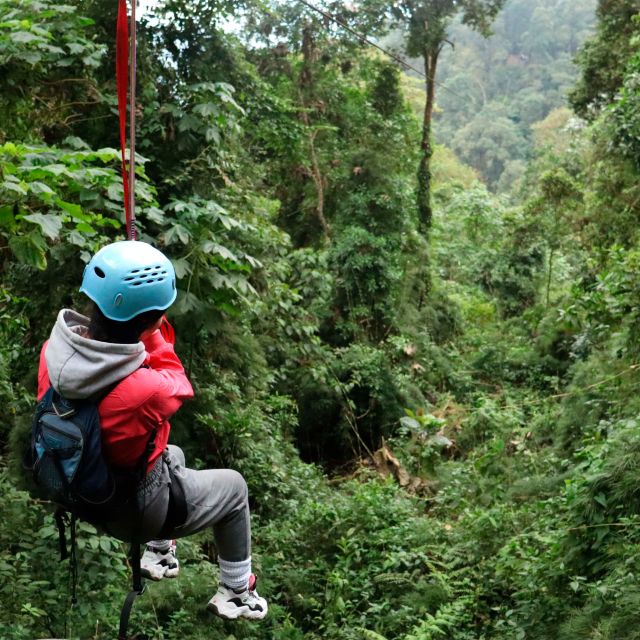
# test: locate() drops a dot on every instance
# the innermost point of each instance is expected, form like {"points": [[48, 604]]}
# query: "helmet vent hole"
{"points": [[137, 284], [99, 272], [135, 270]]}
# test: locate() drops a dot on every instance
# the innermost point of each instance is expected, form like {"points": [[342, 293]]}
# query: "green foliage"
{"points": [[497, 362], [215, 277], [365, 281], [606, 502], [52, 195], [13, 327], [34, 585], [369, 545], [427, 25], [38, 35], [499, 89], [386, 96], [426, 441], [447, 622], [623, 116], [347, 402], [186, 136], [489, 143], [46, 59], [449, 171], [604, 57]]}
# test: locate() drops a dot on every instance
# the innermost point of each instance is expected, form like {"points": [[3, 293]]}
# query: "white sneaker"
{"points": [[243, 603], [156, 564]]}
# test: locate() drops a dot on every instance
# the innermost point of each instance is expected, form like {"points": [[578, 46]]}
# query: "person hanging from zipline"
{"points": [[122, 357]]}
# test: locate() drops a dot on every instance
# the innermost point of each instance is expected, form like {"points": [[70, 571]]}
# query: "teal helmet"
{"points": [[128, 278]]}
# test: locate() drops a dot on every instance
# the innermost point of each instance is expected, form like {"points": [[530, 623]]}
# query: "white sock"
{"points": [[160, 545], [235, 574]]}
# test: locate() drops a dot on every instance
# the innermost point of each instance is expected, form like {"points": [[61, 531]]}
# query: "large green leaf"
{"points": [[41, 189], [74, 210], [182, 267], [13, 186], [177, 232], [48, 222], [213, 247], [207, 109], [24, 36], [6, 216], [30, 249]]}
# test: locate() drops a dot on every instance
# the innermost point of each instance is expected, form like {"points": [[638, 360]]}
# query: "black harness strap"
{"points": [[61, 522], [138, 590], [62, 539], [73, 561]]}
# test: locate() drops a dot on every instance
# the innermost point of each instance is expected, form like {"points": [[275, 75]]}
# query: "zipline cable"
{"points": [[363, 38], [574, 392]]}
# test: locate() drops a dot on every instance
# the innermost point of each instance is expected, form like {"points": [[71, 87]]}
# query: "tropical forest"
{"points": [[406, 237]]}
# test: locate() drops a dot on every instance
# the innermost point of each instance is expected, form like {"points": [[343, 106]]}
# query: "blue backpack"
{"points": [[69, 469], [67, 461]]}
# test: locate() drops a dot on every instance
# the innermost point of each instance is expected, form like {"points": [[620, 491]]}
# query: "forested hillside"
{"points": [[497, 92], [438, 424]]}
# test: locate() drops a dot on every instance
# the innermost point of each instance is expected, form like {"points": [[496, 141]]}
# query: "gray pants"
{"points": [[216, 498]]}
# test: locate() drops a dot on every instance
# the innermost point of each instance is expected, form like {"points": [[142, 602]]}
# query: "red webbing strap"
{"points": [[167, 331], [122, 73]]}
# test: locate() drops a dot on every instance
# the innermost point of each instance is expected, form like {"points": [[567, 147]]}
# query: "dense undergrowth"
{"points": [[493, 365]]}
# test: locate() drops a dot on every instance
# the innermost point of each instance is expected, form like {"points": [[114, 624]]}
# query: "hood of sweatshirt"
{"points": [[82, 368]]}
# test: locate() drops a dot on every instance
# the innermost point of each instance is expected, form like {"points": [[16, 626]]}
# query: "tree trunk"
{"points": [[549, 276], [425, 214], [318, 181], [305, 85]]}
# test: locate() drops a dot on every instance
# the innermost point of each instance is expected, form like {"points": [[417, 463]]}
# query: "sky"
{"points": [[144, 6]]}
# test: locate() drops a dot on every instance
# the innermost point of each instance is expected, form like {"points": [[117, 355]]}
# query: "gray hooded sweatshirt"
{"points": [[83, 368]]}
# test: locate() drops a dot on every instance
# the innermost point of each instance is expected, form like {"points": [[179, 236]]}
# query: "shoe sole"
{"points": [[156, 578], [251, 615]]}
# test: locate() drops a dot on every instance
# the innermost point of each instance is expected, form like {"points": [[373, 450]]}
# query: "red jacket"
{"points": [[145, 399]]}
